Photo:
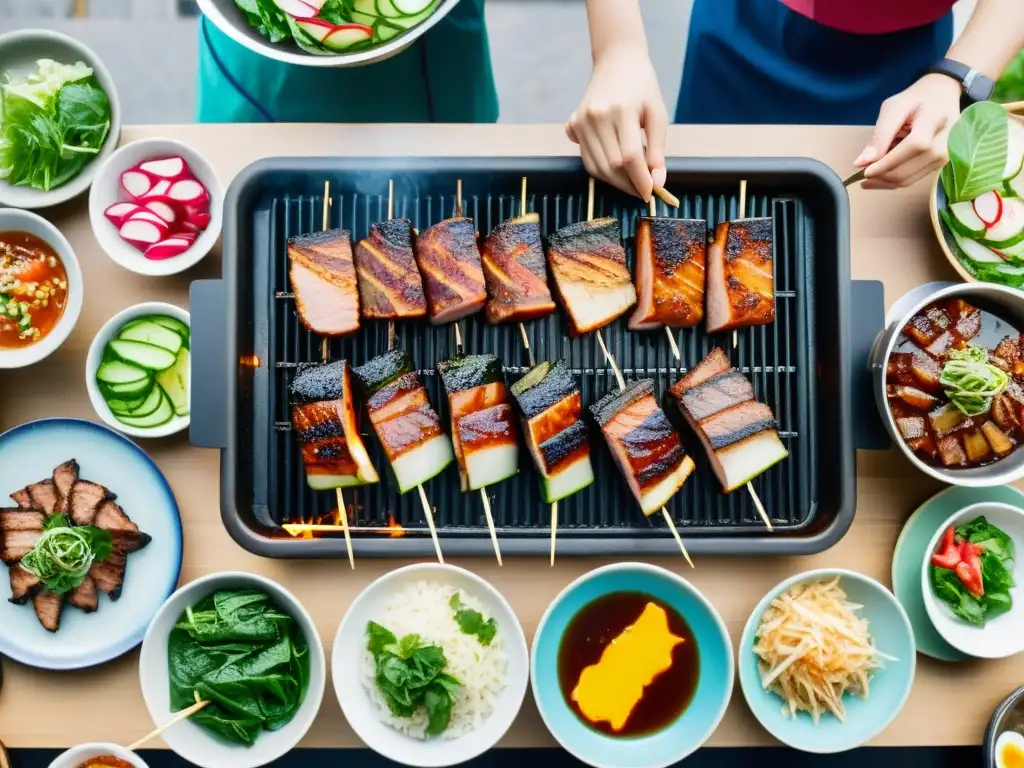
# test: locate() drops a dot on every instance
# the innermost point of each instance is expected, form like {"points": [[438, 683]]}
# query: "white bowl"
{"points": [[75, 756], [196, 744], [19, 51], [95, 358], [11, 219], [1004, 635], [106, 190], [350, 643]]}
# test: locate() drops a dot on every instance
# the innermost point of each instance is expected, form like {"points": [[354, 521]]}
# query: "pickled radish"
{"points": [[989, 207], [168, 249], [170, 168], [164, 210], [135, 183], [188, 191], [118, 212], [141, 234]]}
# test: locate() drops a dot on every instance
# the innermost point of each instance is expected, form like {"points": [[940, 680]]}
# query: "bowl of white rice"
{"points": [[430, 665]]}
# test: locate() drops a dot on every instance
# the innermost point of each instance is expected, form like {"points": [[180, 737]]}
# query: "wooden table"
{"points": [[892, 241]]}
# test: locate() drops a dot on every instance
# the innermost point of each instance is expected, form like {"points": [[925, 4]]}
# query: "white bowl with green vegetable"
{"points": [[51, 80], [207, 641], [430, 665], [325, 33], [969, 580], [137, 370]]}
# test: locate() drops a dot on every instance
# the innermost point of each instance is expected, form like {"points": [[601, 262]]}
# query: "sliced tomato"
{"points": [[948, 555]]}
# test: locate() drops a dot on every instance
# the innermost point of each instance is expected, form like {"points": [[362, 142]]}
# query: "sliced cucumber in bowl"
{"points": [[148, 356], [160, 416]]}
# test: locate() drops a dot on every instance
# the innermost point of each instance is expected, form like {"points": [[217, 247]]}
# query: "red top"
{"points": [[871, 17]]}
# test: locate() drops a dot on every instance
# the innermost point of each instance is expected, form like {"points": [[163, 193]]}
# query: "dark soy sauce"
{"points": [[600, 622]]}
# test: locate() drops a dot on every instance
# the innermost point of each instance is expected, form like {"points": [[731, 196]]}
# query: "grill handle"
{"points": [[208, 425], [868, 300]]}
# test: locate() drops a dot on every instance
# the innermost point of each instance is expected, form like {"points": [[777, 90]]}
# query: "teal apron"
{"points": [[445, 76]]}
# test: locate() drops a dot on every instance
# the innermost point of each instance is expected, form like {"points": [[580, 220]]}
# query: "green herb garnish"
{"points": [[64, 553], [970, 381], [472, 622], [52, 124], [241, 652], [411, 675], [978, 143], [996, 578]]}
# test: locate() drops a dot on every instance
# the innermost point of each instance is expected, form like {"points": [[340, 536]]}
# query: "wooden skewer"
{"points": [[743, 215], [666, 197], [675, 532], [458, 212], [430, 523], [183, 715], [760, 507], [554, 529], [653, 206], [391, 214], [490, 524], [522, 326], [611, 361]]}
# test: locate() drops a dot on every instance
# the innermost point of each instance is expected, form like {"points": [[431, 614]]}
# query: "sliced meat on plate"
{"points": [[64, 476], [22, 498], [20, 529], [85, 500], [125, 534], [84, 596], [43, 495], [48, 607], [109, 574], [24, 584]]}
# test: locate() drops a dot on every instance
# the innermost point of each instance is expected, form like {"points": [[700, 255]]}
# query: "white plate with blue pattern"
{"points": [[29, 453]]}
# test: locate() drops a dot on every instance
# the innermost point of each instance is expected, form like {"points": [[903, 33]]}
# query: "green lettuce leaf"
{"points": [[977, 151]]}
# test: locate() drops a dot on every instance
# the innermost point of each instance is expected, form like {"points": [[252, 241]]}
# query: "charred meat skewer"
{"points": [[514, 268], [670, 261], [390, 287], [550, 404], [453, 277], [323, 277], [739, 434], [740, 281], [589, 266]]}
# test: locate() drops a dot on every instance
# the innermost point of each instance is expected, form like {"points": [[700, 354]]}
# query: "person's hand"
{"points": [[622, 108], [909, 141]]}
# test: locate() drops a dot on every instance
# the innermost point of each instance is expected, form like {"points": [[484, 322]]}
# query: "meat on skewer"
{"points": [[514, 268], [740, 281], [390, 286], [453, 277], [670, 260], [739, 434], [589, 266], [324, 422], [407, 426], [647, 450], [550, 404], [483, 424], [323, 278]]}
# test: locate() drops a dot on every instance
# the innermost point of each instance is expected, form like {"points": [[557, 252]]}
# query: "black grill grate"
{"points": [[777, 358]]}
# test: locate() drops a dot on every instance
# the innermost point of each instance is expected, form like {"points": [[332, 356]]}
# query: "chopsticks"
{"points": [[183, 715]]}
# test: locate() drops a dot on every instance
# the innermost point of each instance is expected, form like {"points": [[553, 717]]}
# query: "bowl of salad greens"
{"points": [[59, 118], [325, 33], [248, 646], [969, 579]]}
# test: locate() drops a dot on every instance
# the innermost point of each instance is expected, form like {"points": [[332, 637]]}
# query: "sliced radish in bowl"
{"points": [[318, 29], [160, 189], [346, 35], [135, 183], [165, 211], [141, 233], [168, 249], [298, 8], [989, 207], [190, 192], [170, 168], [118, 212]]}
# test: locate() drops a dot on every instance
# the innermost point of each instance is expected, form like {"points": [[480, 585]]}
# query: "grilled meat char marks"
{"points": [[515, 272], [124, 533], [64, 477], [24, 584], [323, 277], [48, 606], [85, 500], [943, 326], [588, 263], [671, 256], [565, 447], [453, 276], [646, 448], [390, 287], [85, 597], [739, 433], [740, 285], [20, 529], [109, 574]]}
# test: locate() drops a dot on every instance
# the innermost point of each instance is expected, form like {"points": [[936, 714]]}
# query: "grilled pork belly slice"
{"points": [[406, 425], [84, 596], [85, 500], [483, 425], [644, 445], [513, 262], [48, 606], [324, 421], [109, 574], [323, 277], [64, 477], [22, 498], [24, 584], [588, 263], [739, 434], [43, 495], [942, 326], [20, 529], [124, 533], [453, 276], [550, 404], [670, 260], [740, 285], [390, 286]]}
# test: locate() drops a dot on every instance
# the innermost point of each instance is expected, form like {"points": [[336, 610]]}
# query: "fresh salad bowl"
{"points": [[156, 207], [991, 625], [245, 617], [137, 371], [81, 106], [326, 33], [977, 199]]}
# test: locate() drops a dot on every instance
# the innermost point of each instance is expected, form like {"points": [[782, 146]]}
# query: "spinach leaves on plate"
{"points": [[237, 649], [410, 674], [997, 554]]}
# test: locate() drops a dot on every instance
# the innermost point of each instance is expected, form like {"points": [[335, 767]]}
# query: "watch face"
{"points": [[981, 88]]}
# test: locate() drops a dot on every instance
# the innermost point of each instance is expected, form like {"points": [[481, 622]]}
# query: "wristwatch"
{"points": [[977, 86]]}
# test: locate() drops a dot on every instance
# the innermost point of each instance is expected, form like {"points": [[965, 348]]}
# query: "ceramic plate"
{"points": [[910, 550], [29, 453]]}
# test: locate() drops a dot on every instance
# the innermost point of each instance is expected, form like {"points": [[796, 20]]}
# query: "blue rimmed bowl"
{"points": [[889, 687], [697, 722]]}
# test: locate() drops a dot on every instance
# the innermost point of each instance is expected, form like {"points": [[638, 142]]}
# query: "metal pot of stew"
{"points": [[949, 381]]}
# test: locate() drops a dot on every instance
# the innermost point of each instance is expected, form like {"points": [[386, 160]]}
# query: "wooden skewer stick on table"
{"points": [[183, 715], [325, 356], [668, 331]]}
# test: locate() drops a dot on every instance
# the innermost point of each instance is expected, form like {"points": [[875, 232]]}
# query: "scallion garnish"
{"points": [[971, 381], [64, 553]]}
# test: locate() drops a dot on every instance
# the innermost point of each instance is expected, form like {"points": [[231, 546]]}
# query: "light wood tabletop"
{"points": [[892, 241]]}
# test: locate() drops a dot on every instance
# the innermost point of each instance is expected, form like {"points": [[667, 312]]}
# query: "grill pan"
{"points": [[249, 340]]}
